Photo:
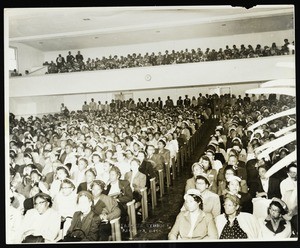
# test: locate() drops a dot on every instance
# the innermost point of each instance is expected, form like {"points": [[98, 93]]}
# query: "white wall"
{"points": [[264, 38], [28, 57]]}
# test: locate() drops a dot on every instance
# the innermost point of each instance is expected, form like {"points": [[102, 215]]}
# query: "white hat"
{"points": [[192, 192]]}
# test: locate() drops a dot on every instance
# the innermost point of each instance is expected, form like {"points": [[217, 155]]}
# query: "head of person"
{"points": [[135, 164], [82, 163], [262, 169], [229, 172], [35, 189], [28, 158], [231, 204], [114, 174], [202, 183], [292, 171], [84, 201], [233, 161], [141, 156], [35, 176], [67, 187], [197, 169], [193, 201], [210, 154], [205, 163], [90, 175], [150, 150], [96, 158], [233, 184], [97, 188], [277, 208], [68, 148], [161, 144], [62, 172], [42, 202]]}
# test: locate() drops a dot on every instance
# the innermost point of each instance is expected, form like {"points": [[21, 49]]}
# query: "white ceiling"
{"points": [[51, 29]]}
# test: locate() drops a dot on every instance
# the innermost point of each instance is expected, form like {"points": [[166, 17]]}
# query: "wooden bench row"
{"points": [[177, 165]]}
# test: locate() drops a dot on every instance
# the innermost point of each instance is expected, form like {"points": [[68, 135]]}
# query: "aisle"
{"points": [[162, 218]]}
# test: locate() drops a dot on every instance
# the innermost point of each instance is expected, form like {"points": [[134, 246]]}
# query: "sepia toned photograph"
{"points": [[150, 124]]}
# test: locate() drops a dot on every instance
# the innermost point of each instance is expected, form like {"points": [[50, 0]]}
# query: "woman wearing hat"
{"points": [[275, 226], [233, 186], [222, 184], [65, 203], [191, 182], [234, 224], [42, 223], [106, 207], [85, 223], [62, 172], [193, 224]]}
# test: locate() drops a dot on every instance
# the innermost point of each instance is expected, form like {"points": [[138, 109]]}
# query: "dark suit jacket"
{"points": [[158, 160], [139, 181], [147, 169], [62, 158], [273, 190], [241, 172], [126, 192], [89, 224]]}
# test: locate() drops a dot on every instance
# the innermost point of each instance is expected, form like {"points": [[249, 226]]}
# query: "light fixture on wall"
{"points": [[148, 77]]}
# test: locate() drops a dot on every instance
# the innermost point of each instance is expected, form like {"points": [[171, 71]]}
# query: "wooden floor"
{"points": [[162, 218]]}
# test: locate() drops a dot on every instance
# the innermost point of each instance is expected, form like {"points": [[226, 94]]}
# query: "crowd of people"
{"points": [[229, 195], [73, 172], [77, 63]]}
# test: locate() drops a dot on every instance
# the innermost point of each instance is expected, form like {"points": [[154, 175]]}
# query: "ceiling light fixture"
{"points": [[40, 42], [96, 37], [157, 31], [223, 25], [86, 19]]}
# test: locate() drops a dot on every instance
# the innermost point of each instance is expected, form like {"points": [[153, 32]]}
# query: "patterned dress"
{"points": [[233, 232]]}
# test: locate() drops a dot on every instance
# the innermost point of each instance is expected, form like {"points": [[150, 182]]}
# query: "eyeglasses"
{"points": [[39, 203]]}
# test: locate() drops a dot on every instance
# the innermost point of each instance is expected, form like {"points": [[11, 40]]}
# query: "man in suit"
{"points": [[179, 102], [146, 167], [157, 160], [264, 187], [241, 172], [159, 103]]}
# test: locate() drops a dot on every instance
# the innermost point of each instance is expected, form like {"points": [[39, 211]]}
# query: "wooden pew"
{"points": [[153, 192], [132, 219], [115, 229], [144, 203], [161, 182]]}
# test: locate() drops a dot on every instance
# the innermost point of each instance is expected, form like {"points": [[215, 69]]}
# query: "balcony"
{"points": [[156, 77]]}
